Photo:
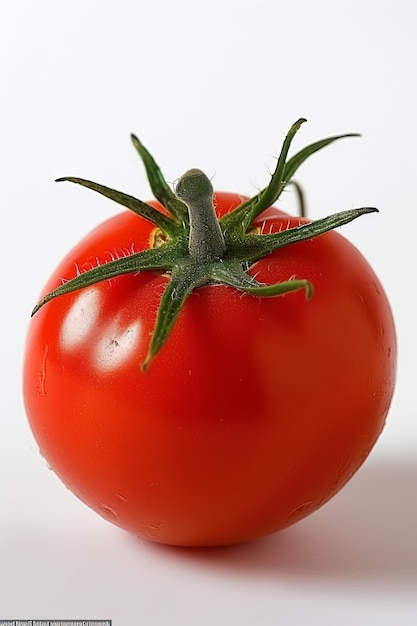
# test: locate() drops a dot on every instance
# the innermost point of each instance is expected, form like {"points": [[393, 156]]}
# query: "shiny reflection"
{"points": [[80, 319], [116, 345], [113, 344]]}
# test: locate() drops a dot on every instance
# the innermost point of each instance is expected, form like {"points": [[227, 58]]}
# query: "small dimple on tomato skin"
{"points": [[255, 412]]}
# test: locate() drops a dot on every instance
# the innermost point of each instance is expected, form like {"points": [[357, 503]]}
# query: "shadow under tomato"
{"points": [[368, 531]]}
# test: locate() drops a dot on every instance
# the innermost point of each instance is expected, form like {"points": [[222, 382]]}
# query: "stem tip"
{"points": [[192, 185]]}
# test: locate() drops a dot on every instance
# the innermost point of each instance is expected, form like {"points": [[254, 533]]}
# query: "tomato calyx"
{"points": [[197, 248]]}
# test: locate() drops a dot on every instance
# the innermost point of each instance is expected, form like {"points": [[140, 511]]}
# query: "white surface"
{"points": [[213, 85]]}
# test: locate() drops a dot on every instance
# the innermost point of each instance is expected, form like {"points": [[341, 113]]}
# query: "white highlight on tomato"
{"points": [[116, 345], [80, 319]]}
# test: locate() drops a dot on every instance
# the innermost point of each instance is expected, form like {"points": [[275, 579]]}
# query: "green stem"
{"points": [[241, 217], [152, 259], [184, 279], [269, 195], [302, 211], [159, 186], [199, 249], [206, 243], [254, 247], [238, 278], [165, 223]]}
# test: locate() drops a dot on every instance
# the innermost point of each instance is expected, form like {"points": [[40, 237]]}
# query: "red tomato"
{"points": [[254, 414]]}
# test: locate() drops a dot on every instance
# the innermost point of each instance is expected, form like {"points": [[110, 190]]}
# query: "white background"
{"points": [[214, 85]]}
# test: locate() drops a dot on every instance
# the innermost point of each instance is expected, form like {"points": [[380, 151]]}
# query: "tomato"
{"points": [[255, 412]]}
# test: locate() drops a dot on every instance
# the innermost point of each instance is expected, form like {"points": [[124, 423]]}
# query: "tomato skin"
{"points": [[255, 412]]}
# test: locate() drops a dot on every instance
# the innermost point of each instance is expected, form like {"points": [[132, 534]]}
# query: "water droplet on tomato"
{"points": [[108, 511]]}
